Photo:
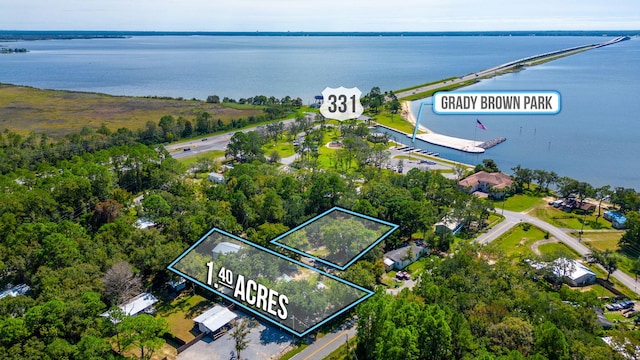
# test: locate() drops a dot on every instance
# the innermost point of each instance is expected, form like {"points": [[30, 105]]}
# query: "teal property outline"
{"points": [[393, 227], [367, 293]]}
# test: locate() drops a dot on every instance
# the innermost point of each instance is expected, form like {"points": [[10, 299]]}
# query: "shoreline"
{"points": [[472, 146]]}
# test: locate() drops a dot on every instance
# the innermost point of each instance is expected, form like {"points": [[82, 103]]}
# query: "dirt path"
{"points": [[535, 245]]}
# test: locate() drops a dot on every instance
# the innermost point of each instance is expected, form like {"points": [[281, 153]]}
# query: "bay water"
{"points": [[594, 138]]}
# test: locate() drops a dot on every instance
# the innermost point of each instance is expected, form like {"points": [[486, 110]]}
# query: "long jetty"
{"points": [[472, 146], [506, 66]]}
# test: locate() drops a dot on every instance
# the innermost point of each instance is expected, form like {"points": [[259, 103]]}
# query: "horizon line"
{"points": [[323, 31]]}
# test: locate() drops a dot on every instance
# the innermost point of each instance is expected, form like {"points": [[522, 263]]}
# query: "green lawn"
{"points": [[517, 242], [609, 241], [190, 160], [558, 250], [601, 240], [284, 149], [494, 219], [519, 202], [180, 313], [563, 219], [417, 267], [394, 121]]}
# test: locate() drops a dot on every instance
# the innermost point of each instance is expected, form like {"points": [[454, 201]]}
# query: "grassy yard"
{"points": [[601, 240], [557, 250], [563, 219], [180, 312], [519, 202], [416, 268], [517, 241], [609, 241], [284, 149]]}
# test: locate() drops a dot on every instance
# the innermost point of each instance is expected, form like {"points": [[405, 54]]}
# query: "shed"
{"points": [[213, 319], [177, 285], [216, 178]]}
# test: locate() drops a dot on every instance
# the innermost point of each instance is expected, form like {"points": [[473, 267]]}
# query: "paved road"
{"points": [[513, 218], [216, 142], [324, 346]]}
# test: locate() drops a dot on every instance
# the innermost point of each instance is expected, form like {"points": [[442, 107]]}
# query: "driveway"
{"points": [[265, 342]]}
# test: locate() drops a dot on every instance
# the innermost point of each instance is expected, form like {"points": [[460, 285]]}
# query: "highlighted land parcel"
{"points": [[279, 289]]}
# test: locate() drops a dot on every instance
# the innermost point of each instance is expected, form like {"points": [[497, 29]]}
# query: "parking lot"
{"points": [[421, 161], [265, 342]]}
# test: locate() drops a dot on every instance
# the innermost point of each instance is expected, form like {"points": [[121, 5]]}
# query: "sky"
{"points": [[319, 15]]}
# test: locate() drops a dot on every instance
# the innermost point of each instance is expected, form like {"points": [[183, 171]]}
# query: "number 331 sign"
{"points": [[341, 103]]}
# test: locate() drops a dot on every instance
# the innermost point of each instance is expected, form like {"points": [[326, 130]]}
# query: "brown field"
{"points": [[57, 113]]}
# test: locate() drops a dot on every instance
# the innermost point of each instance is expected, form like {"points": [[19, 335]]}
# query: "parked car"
{"points": [[613, 307], [628, 304]]}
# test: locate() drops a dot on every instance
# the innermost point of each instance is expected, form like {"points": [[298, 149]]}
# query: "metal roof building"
{"points": [[213, 319]]}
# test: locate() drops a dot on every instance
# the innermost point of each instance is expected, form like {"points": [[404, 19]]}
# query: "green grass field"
{"points": [[57, 113], [284, 149], [519, 202], [568, 220], [517, 241], [557, 250], [180, 312], [192, 159], [394, 121]]}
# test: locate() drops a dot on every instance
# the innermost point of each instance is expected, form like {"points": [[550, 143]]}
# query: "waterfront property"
{"points": [[482, 183]]}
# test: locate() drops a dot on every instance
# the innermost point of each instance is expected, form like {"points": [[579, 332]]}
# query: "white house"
{"points": [[140, 304], [577, 274], [213, 319], [399, 258]]}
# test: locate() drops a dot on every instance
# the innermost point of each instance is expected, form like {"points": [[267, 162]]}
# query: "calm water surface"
{"points": [[594, 138]]}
